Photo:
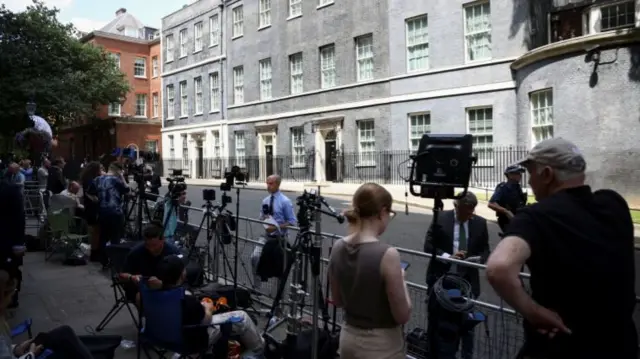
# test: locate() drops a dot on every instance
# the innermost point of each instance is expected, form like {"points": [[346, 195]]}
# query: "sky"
{"points": [[88, 15]]}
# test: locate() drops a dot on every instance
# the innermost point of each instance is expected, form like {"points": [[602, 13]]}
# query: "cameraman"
{"points": [[176, 197], [508, 197]]}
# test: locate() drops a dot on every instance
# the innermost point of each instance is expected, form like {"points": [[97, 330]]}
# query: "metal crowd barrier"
{"points": [[34, 205]]}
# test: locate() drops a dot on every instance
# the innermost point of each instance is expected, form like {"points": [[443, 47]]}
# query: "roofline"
{"points": [[108, 35]]}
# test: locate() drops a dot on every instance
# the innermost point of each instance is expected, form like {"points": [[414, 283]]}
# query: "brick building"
{"points": [[137, 120]]}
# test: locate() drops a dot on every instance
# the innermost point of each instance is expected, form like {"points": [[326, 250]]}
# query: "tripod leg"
{"points": [[281, 287]]}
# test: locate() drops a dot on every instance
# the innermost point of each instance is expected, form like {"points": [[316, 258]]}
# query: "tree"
{"points": [[42, 60]]}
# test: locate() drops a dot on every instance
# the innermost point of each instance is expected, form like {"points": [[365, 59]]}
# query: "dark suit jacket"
{"points": [[55, 181], [477, 245], [12, 219]]}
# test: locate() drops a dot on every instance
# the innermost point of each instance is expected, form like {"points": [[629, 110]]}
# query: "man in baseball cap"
{"points": [[573, 241]]}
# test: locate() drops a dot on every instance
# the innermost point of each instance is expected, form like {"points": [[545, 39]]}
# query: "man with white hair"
{"points": [[579, 247]]}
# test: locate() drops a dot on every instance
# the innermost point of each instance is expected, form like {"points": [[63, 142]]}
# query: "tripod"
{"points": [[139, 203], [209, 216]]}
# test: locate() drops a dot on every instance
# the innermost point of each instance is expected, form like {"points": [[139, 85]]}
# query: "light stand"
{"points": [[316, 252], [235, 250]]}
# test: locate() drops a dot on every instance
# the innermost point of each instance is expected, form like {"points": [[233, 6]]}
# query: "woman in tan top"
{"points": [[367, 281]]}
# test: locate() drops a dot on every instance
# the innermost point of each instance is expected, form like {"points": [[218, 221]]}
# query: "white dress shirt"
{"points": [[456, 236]]}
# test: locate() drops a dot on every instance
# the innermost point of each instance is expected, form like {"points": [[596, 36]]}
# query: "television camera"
{"points": [[137, 167], [310, 202], [177, 184], [235, 175]]}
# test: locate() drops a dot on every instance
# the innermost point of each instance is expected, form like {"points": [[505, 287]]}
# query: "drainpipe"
{"points": [[224, 133]]}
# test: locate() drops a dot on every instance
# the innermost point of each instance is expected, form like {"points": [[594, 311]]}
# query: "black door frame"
{"points": [[331, 160]]}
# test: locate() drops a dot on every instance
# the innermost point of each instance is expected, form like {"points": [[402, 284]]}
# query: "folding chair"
{"points": [[117, 254], [162, 330], [62, 226]]}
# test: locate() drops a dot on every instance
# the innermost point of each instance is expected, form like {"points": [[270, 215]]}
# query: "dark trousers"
{"points": [[64, 343], [111, 231], [12, 266]]}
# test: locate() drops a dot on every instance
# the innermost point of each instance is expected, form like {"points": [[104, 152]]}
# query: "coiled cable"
{"points": [[449, 282]]}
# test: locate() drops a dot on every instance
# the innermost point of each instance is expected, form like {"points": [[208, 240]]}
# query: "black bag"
{"points": [[100, 346]]}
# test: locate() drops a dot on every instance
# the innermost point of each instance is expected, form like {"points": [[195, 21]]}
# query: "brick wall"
{"points": [[138, 134]]}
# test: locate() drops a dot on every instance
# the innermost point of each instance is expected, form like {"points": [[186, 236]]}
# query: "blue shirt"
{"points": [[110, 190], [282, 210], [170, 219], [28, 173]]}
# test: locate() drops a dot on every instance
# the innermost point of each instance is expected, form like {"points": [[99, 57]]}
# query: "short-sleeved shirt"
{"points": [[282, 209], [193, 314], [582, 267], [110, 190]]}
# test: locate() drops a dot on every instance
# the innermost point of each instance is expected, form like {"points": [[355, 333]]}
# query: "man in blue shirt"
{"points": [[277, 208], [110, 189]]}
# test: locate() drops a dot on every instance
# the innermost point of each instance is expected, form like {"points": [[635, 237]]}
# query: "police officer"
{"points": [[508, 196]]}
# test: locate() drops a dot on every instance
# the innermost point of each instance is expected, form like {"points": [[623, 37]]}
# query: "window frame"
{"points": [[184, 99], [467, 35], [295, 9], [171, 102], [183, 39], [540, 127], [409, 47], [362, 60], [298, 160], [144, 106], [114, 113], [136, 67], [361, 161], [237, 22], [198, 96], [155, 67], [485, 158], [198, 34], [172, 147], [294, 75], [266, 77], [214, 92], [332, 68], [155, 105], [238, 85], [214, 30], [170, 48], [239, 136], [264, 14]]}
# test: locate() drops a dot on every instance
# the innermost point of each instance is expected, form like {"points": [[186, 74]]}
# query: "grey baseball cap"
{"points": [[556, 153]]}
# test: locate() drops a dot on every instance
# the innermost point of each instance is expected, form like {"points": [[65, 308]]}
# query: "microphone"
{"points": [[337, 215]]}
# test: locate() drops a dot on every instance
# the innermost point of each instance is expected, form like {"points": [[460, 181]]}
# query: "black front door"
{"points": [[331, 160], [199, 161], [268, 150]]}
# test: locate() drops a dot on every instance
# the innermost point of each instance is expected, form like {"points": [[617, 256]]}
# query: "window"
{"points": [[617, 16], [364, 57], [295, 8], [477, 31], [265, 13], [185, 148], [116, 58], [214, 89], [155, 105], [171, 104], [238, 85], [114, 109], [139, 67], [327, 66], [240, 149], [295, 67], [184, 100], [419, 124], [325, 2], [154, 66], [197, 86], [541, 115], [141, 105], [238, 22], [172, 148], [216, 144], [151, 146], [417, 44], [366, 143], [481, 127], [169, 47], [183, 42], [265, 79], [197, 37], [297, 147], [214, 28]]}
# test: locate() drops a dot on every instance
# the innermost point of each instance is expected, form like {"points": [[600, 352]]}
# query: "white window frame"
{"points": [[237, 16], [151, 145], [140, 63], [216, 144], [172, 147], [617, 14], [322, 3], [298, 149], [154, 66], [171, 102], [184, 100], [366, 157], [483, 137], [240, 149], [265, 79], [295, 8], [424, 127], [182, 37], [155, 110], [265, 14], [296, 73], [364, 58], [417, 41], [198, 44], [111, 108], [214, 92], [142, 113], [469, 36], [328, 66], [197, 89], [169, 48], [185, 148], [116, 57], [541, 117], [214, 30], [238, 85]]}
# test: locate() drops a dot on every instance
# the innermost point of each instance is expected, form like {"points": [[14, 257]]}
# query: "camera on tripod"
{"points": [[137, 167], [236, 175]]}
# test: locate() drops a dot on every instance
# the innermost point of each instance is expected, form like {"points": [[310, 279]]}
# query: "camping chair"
{"points": [[64, 233], [162, 330], [117, 254]]}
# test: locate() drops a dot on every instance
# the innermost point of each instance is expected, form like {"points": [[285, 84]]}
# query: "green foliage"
{"points": [[41, 59]]}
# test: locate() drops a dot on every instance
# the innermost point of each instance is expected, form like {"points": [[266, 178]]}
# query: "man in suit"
{"points": [[459, 234]]}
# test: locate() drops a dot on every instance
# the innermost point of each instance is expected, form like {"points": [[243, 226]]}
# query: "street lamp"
{"points": [[31, 108]]}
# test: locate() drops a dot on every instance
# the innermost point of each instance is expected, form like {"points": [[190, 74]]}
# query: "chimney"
{"points": [[121, 11]]}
